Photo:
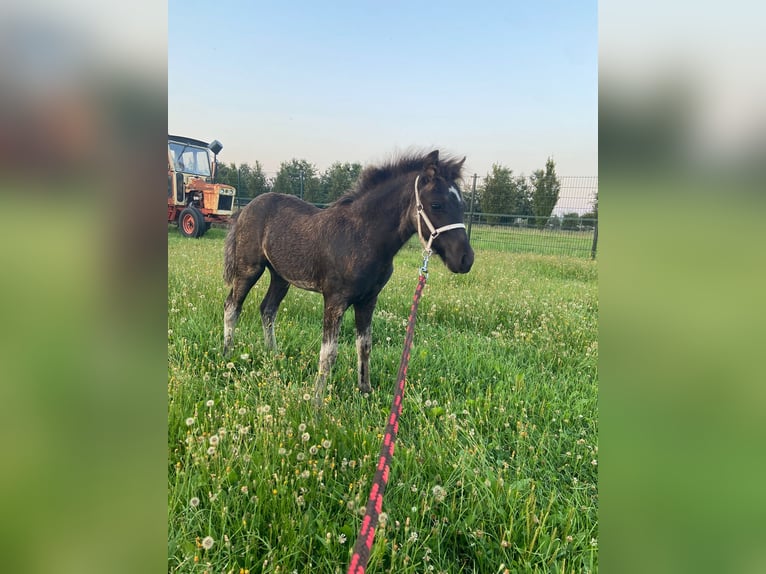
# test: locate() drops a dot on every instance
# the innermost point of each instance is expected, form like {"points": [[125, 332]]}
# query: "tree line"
{"points": [[503, 197], [295, 177]]}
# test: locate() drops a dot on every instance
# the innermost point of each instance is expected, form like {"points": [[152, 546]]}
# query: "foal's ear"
{"points": [[432, 161]]}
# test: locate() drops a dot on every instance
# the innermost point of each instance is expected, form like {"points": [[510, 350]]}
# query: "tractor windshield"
{"points": [[190, 159]]}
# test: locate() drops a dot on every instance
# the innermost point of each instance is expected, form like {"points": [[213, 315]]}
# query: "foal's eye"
{"points": [[436, 206]]}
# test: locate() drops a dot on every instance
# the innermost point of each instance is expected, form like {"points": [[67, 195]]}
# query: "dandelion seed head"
{"points": [[207, 542], [189, 421], [194, 502]]}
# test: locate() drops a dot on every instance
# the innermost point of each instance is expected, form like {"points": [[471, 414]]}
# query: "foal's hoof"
{"points": [[366, 391]]}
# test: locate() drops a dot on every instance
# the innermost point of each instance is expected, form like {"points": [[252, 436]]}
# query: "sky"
{"points": [[509, 82]]}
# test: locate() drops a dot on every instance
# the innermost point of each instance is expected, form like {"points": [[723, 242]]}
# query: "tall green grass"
{"points": [[496, 462]]}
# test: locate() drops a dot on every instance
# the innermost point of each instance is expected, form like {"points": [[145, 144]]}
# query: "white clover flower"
{"points": [[342, 538], [439, 493]]}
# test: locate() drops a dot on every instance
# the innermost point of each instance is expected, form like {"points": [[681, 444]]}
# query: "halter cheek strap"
{"points": [[434, 232]]}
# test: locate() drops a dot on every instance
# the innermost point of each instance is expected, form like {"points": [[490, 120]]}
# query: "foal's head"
{"points": [[439, 190]]}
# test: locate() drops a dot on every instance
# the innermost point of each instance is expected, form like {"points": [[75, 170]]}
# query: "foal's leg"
{"points": [[333, 313], [363, 318], [240, 287], [277, 290]]}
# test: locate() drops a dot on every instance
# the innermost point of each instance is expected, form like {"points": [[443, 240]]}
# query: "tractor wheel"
{"points": [[191, 223]]}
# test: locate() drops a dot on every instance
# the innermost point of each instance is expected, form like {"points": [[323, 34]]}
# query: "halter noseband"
{"points": [[434, 232]]}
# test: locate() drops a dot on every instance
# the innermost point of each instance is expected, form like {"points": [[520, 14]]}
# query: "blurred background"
{"points": [[682, 151], [82, 346]]}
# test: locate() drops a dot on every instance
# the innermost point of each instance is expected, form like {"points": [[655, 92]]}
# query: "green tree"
{"points": [[502, 193], [338, 179], [546, 187], [298, 177], [521, 198], [253, 180], [496, 193]]}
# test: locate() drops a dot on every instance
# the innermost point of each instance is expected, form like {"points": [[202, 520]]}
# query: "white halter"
{"points": [[434, 232]]}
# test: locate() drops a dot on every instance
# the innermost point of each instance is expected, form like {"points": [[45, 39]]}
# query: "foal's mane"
{"points": [[373, 176]]}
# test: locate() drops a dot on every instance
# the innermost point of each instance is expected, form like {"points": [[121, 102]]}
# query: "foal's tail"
{"points": [[230, 250]]}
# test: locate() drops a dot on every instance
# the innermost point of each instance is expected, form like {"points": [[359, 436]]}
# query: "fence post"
{"points": [[595, 240], [470, 209]]}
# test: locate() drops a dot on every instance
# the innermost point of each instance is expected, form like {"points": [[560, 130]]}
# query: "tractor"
{"points": [[195, 201]]}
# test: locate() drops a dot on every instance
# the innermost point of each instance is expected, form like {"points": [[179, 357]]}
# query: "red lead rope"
{"points": [[375, 502]]}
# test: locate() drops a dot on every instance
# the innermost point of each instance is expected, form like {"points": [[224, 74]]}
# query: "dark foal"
{"points": [[346, 251]]}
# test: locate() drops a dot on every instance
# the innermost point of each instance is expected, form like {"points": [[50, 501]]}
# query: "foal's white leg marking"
{"points": [[229, 322], [268, 334], [453, 189], [363, 346], [327, 356]]}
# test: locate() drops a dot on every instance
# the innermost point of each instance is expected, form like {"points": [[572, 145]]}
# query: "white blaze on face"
{"points": [[453, 189]]}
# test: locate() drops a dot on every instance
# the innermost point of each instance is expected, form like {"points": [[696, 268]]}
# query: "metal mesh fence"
{"points": [[571, 229]]}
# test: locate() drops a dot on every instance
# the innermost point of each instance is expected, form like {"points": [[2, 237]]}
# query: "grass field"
{"points": [[496, 462]]}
